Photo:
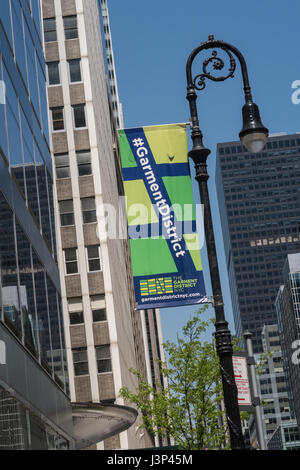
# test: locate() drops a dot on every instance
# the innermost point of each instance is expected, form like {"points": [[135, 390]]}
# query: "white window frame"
{"points": [[66, 166], [79, 362], [69, 73], [104, 359], [98, 302], [69, 29], [85, 116], [87, 259], [65, 263], [75, 305], [66, 213], [81, 164], [44, 31], [59, 72], [52, 122], [89, 210]]}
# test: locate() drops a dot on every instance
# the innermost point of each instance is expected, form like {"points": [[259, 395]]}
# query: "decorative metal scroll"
{"points": [[217, 64]]}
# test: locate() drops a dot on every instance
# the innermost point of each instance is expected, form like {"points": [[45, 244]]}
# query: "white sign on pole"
{"points": [[242, 380]]}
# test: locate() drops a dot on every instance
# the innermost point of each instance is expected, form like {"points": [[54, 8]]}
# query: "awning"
{"points": [[94, 422]]}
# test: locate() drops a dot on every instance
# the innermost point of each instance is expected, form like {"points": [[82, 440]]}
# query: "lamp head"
{"points": [[254, 134]]}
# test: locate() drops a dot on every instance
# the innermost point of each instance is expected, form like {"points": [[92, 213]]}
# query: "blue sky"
{"points": [[152, 41]]}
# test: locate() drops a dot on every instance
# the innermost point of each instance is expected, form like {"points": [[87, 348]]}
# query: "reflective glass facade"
{"points": [[272, 383], [29, 279], [21, 429], [288, 314], [286, 437], [260, 214]]}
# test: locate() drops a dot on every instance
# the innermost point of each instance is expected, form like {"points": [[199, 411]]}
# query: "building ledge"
{"points": [[94, 422]]}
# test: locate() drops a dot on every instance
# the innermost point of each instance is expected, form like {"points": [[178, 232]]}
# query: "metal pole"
{"points": [[224, 350], [254, 392], [222, 334], [199, 154]]}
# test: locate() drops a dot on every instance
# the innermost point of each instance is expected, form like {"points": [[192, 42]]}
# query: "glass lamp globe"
{"points": [[254, 141], [254, 134]]}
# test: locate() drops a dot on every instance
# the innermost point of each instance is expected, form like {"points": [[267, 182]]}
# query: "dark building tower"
{"points": [[259, 205]]}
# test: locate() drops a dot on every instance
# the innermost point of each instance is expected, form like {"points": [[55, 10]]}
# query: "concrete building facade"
{"points": [[105, 335]]}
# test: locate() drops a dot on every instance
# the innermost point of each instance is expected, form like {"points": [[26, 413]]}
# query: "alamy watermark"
{"points": [[2, 92], [296, 94], [173, 222], [296, 353], [2, 353]]}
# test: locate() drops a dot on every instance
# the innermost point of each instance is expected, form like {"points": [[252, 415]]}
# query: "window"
{"points": [[75, 70], [84, 163], [75, 310], [53, 73], [99, 315], [62, 165], [66, 211], [80, 361], [103, 359], [76, 318], [98, 308], [93, 256], [70, 25], [79, 116], [71, 260], [89, 214], [58, 119], [272, 421], [50, 30]]}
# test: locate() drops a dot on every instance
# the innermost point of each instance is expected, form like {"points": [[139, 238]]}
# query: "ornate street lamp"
{"points": [[253, 136]]}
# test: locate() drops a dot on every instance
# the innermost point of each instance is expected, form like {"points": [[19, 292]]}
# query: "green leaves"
{"points": [[189, 408]]}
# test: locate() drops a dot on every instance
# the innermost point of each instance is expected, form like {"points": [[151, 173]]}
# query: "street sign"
{"points": [[242, 380]]}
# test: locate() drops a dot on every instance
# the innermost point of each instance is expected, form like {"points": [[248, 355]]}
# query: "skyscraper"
{"points": [[272, 383], [259, 203], [110, 62], [285, 437], [35, 411], [288, 314], [104, 333]]}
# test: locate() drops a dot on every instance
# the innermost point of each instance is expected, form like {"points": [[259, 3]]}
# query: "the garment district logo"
{"points": [[156, 286]]}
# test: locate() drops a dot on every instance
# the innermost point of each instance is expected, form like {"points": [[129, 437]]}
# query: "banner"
{"points": [[164, 243]]}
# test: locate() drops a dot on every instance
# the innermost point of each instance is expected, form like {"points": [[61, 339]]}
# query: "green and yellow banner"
{"points": [[164, 243]]}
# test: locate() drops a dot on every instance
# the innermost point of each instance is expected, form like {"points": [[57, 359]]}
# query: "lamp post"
{"points": [[253, 135]]}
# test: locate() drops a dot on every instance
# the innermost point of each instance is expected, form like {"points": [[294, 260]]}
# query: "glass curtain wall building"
{"points": [[272, 383], [288, 314], [286, 437], [34, 407], [259, 203]]}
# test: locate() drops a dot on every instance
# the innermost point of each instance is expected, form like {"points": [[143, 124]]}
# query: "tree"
{"points": [[189, 408]]}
